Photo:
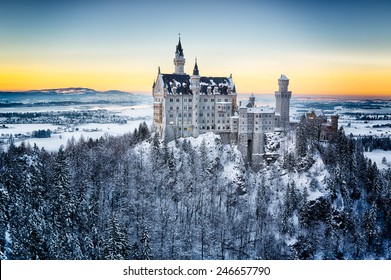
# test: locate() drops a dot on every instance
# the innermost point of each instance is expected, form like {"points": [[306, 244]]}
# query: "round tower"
{"points": [[179, 60]]}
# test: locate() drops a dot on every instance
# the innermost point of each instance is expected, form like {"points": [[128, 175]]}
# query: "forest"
{"points": [[137, 197]]}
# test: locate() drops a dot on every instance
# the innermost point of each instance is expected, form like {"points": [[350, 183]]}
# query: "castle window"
{"points": [[256, 128], [185, 115], [171, 115], [226, 100], [228, 107], [256, 122], [190, 99], [212, 100], [207, 107], [170, 108], [171, 100], [189, 114], [177, 108], [218, 121], [219, 100], [213, 107], [227, 127], [205, 100], [177, 100], [185, 100]]}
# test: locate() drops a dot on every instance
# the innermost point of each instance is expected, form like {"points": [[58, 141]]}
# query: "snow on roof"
{"points": [[245, 104], [283, 77], [217, 85], [317, 113]]}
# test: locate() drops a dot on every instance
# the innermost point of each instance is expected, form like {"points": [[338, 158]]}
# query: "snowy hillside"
{"points": [[135, 197]]}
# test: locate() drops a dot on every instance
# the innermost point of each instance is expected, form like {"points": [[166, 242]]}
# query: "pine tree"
{"points": [[64, 243], [145, 246], [371, 228], [116, 246], [4, 204]]}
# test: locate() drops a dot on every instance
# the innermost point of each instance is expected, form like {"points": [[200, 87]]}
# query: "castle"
{"points": [[318, 119], [189, 105]]}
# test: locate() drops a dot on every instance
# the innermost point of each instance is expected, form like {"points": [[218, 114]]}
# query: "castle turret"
{"points": [[334, 122], [283, 97], [179, 60], [251, 100], [195, 89]]}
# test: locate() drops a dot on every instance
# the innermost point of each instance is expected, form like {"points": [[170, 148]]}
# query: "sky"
{"points": [[323, 47]]}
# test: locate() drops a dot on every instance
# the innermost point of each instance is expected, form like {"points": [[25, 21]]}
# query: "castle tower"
{"points": [[283, 97], [179, 60], [251, 99], [195, 89], [334, 122]]}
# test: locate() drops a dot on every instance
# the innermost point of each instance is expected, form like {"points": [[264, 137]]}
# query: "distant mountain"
{"points": [[69, 96], [74, 90]]}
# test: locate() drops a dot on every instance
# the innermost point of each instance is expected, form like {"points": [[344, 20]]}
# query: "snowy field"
{"points": [[142, 113], [360, 128], [377, 156]]}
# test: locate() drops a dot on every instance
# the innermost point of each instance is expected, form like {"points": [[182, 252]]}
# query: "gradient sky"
{"points": [[324, 47]]}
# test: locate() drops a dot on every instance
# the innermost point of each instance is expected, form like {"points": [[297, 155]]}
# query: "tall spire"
{"points": [[179, 49], [179, 60], [195, 70]]}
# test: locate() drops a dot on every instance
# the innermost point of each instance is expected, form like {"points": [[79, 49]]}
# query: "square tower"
{"points": [[283, 97]]}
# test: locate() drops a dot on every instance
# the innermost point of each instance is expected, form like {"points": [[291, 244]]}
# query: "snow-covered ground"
{"points": [[377, 156], [91, 130], [144, 112], [360, 128]]}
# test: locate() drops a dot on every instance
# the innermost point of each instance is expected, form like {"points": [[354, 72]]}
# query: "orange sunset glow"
{"points": [[327, 52]]}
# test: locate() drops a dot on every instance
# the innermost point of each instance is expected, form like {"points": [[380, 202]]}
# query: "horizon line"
{"points": [[315, 95]]}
